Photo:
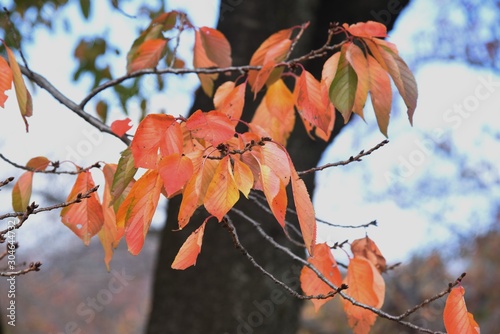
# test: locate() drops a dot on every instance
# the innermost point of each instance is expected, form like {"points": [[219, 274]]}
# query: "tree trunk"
{"points": [[224, 292]]}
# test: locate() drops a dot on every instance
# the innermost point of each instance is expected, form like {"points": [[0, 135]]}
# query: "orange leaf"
{"points": [[243, 177], [86, 218], [211, 49], [366, 29], [275, 192], [187, 255], [304, 209], [109, 234], [366, 248], [5, 80], [268, 74], [357, 59], [120, 127], [38, 163], [137, 210], [222, 192], [402, 77], [194, 192], [22, 94], [214, 126], [148, 138], [366, 286], [456, 318], [175, 170], [230, 99], [314, 110], [275, 115], [147, 55], [310, 283], [173, 140], [380, 93], [21, 192], [271, 51]]}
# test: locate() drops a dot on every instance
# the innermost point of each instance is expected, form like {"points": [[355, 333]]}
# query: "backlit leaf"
{"points": [[380, 93], [175, 170], [344, 86], [187, 255], [367, 29], [5, 80], [21, 192], [121, 126], [367, 286], [148, 138], [86, 218], [222, 192], [310, 283], [147, 55], [243, 177], [456, 318], [214, 126], [230, 99], [275, 193], [275, 55], [137, 210], [22, 94], [357, 59], [123, 177]]}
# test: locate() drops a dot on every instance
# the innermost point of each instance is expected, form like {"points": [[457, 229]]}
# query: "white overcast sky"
{"points": [[341, 195]]}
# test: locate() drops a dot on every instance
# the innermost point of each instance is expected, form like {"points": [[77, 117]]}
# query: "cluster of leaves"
{"points": [[204, 159]]}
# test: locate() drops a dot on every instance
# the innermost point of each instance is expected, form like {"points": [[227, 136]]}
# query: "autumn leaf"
{"points": [[357, 59], [121, 126], [175, 170], [456, 318], [315, 111], [243, 177], [366, 286], [230, 100], [123, 177], [137, 210], [85, 218], [304, 209], [214, 126], [275, 115], [211, 49], [222, 192], [311, 284], [147, 55], [21, 192], [150, 135], [5, 80], [23, 96], [187, 255], [367, 29], [366, 248], [344, 86], [380, 93], [271, 51], [109, 235]]}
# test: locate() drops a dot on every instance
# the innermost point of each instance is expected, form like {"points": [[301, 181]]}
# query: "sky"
{"points": [[354, 194]]}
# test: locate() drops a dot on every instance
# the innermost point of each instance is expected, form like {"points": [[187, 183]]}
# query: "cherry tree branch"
{"points": [[43, 83], [55, 165], [33, 266]]}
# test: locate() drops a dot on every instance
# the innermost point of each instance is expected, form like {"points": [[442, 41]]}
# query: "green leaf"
{"points": [[343, 88], [85, 7], [124, 174]]}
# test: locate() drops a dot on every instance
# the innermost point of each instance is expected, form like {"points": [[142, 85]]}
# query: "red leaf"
{"points": [[456, 318], [187, 255], [214, 126], [147, 55], [137, 210], [222, 192], [310, 283], [5, 80], [366, 29], [175, 170], [86, 218], [120, 127], [149, 136]]}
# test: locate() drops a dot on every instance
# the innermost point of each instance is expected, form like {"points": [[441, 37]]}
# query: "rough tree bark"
{"points": [[224, 293]]}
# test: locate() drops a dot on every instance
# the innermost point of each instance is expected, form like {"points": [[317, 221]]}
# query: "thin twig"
{"points": [[372, 223], [33, 266], [6, 181], [55, 165], [358, 157]]}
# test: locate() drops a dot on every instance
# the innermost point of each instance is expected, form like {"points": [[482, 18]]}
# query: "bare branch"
{"points": [[33, 266], [6, 181], [358, 157], [55, 166]]}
